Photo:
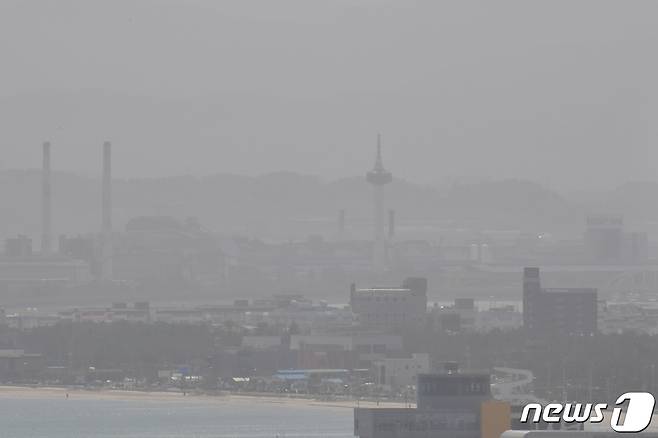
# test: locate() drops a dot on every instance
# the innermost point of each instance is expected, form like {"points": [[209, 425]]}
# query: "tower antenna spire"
{"points": [[379, 164]]}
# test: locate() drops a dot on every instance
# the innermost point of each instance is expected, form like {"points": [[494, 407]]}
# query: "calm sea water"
{"points": [[54, 418]]}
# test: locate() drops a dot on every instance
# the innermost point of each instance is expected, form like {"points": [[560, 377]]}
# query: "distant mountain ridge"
{"points": [[273, 205]]}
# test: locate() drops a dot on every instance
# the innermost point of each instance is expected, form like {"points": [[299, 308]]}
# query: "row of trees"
{"points": [[585, 368]]}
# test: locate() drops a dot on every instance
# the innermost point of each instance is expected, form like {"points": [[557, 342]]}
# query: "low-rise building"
{"points": [[346, 351], [261, 342], [449, 405], [390, 307], [504, 318], [400, 372], [459, 317], [17, 365]]}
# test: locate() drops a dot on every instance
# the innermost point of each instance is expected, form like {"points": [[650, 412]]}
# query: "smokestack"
{"points": [[106, 258], [391, 224], [46, 226]]}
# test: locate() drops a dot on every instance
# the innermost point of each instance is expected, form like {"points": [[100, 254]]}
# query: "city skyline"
{"points": [[345, 218]]}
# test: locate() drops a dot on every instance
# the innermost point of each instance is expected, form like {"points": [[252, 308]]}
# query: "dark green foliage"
{"points": [[599, 367]]}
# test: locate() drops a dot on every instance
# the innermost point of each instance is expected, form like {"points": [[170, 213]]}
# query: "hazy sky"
{"points": [[560, 92]]}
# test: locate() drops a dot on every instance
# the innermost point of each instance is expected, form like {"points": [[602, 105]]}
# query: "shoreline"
{"points": [[75, 393]]}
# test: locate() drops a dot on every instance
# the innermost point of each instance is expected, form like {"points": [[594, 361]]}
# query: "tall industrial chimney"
{"points": [[341, 221], [391, 224], [46, 203], [106, 232]]}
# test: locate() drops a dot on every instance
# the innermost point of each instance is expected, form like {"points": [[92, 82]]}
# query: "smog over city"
{"points": [[345, 218]]}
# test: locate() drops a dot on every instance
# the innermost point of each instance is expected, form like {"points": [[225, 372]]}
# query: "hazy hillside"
{"points": [[287, 202]]}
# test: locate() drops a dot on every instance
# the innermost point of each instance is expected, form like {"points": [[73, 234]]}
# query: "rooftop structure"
{"points": [[449, 404]]}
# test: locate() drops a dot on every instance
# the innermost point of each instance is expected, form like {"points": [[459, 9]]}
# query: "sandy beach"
{"points": [[27, 392]]}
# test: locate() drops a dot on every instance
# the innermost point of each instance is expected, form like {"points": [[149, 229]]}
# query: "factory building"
{"points": [[22, 270], [161, 252], [606, 241], [18, 247]]}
